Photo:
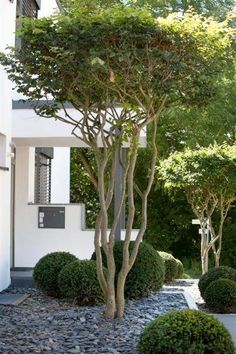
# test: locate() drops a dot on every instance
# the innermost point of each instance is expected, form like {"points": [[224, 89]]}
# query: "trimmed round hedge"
{"points": [[171, 266], [185, 332], [78, 281], [147, 273], [180, 269], [47, 269], [214, 274], [220, 296]]}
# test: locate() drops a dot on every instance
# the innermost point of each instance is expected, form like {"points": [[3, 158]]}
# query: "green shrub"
{"points": [[78, 281], [171, 266], [180, 269], [214, 274], [147, 273], [185, 332], [47, 269], [186, 276], [220, 296]]}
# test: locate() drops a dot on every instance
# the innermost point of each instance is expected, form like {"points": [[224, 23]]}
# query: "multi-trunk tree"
{"points": [[208, 177], [119, 67]]}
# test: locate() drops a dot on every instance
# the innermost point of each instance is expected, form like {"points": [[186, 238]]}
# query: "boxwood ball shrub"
{"points": [[185, 332], [47, 269], [171, 266], [220, 296], [147, 273], [214, 274], [180, 269], [78, 281]]}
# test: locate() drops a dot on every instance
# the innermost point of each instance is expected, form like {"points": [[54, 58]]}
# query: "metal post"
{"points": [[120, 157]]}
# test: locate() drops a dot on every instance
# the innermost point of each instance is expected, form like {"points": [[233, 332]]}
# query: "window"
{"points": [[27, 8], [3, 150], [43, 166]]}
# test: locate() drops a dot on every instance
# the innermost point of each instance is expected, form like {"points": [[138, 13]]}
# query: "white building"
{"points": [[7, 37], [36, 216]]}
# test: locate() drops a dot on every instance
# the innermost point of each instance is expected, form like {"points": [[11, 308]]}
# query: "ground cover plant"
{"points": [[215, 274], [47, 269], [220, 296], [186, 332], [78, 281], [147, 273], [125, 67], [171, 266], [180, 269]]}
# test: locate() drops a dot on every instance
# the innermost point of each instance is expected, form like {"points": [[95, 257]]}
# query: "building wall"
{"points": [[7, 28], [60, 180], [31, 242]]}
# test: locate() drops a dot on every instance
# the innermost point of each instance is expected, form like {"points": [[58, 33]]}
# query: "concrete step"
{"points": [[22, 278]]}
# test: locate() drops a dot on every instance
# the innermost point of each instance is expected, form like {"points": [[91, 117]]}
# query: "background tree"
{"points": [[119, 67], [83, 182], [208, 177], [179, 127], [216, 8]]}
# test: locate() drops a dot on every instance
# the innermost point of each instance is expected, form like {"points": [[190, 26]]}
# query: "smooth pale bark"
{"points": [[204, 211], [94, 127]]}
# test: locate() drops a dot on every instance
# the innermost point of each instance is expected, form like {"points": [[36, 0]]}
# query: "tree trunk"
{"points": [[204, 260], [110, 312], [217, 258], [120, 293]]}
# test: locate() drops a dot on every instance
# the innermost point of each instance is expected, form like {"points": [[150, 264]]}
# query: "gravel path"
{"points": [[45, 325]]}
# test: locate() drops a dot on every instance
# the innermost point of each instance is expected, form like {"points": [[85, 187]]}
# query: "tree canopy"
{"points": [[216, 8], [181, 57], [118, 67], [211, 169], [208, 177]]}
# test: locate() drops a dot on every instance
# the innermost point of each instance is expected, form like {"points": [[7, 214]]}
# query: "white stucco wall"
{"points": [[31, 242], [60, 180], [48, 7], [7, 28]]}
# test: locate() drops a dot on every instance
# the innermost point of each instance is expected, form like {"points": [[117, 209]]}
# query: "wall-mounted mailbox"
{"points": [[51, 217]]}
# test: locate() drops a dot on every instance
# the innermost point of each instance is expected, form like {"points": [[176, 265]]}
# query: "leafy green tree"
{"points": [[119, 67], [208, 177], [216, 8], [83, 186]]}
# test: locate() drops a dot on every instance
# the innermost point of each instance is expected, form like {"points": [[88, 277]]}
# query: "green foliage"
{"points": [[84, 5], [82, 189], [47, 269], [182, 127], [186, 276], [186, 332], [205, 169], [228, 248], [220, 296], [78, 281], [147, 273], [192, 267], [171, 266], [215, 274], [178, 56], [180, 269], [216, 8]]}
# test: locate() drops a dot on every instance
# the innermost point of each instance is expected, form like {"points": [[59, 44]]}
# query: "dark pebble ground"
{"points": [[50, 326]]}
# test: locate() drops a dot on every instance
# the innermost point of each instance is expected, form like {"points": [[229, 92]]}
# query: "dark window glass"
{"points": [[43, 166]]}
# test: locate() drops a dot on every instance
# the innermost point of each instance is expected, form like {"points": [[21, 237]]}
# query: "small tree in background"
{"points": [[118, 67], [208, 177]]}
